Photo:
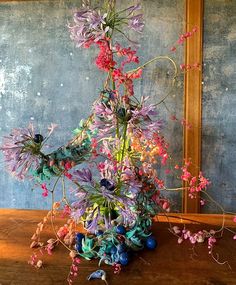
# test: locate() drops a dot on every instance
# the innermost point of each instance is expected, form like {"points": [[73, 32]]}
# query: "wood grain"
{"points": [[170, 263], [193, 94]]}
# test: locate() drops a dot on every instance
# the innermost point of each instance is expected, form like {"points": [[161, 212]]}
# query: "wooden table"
{"points": [[170, 263]]}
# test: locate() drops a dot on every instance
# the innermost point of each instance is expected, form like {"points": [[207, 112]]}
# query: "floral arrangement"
{"points": [[112, 159]]}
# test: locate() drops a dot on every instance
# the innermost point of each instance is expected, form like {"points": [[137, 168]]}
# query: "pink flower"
{"points": [[117, 268], [202, 202], [211, 242], [180, 240], [166, 206], [173, 118], [167, 171], [66, 211], [160, 183], [68, 165], [186, 124], [101, 166], [234, 219], [176, 230], [193, 239], [68, 175], [104, 60], [186, 175], [136, 74], [45, 190]]}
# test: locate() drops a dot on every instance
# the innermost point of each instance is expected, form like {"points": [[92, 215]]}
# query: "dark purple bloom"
{"points": [[108, 184]]}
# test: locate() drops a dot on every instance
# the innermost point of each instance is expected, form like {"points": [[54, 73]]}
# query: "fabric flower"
{"points": [[18, 149], [83, 175], [89, 27], [136, 23]]}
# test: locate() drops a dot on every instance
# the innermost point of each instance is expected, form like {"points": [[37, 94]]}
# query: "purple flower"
{"points": [[105, 120], [128, 216], [102, 111], [136, 23], [152, 128], [129, 179], [83, 175], [79, 207], [19, 151], [131, 9], [144, 111], [92, 220], [89, 26], [144, 120], [134, 8]]}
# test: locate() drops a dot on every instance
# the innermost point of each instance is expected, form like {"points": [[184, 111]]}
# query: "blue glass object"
{"points": [[151, 242]]}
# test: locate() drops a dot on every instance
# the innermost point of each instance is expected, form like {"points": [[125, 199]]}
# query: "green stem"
{"points": [[157, 58], [124, 141], [55, 184], [64, 193]]}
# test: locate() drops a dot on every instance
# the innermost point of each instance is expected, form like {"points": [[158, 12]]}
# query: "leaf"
{"points": [[56, 170], [47, 172]]}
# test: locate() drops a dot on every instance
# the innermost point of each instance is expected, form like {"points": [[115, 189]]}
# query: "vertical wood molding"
{"points": [[193, 94]]}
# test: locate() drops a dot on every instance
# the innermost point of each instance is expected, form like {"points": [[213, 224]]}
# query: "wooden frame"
{"points": [[193, 94]]}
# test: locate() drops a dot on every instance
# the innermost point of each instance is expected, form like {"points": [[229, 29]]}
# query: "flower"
{"points": [[45, 190], [89, 27], [78, 208], [136, 23], [93, 220], [133, 8], [83, 175], [21, 153], [104, 60]]}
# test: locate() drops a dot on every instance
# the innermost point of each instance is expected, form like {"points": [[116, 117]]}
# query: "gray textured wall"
{"points": [[219, 101], [44, 78]]}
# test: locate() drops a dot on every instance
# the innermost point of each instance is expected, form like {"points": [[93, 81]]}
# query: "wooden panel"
{"points": [[206, 219], [170, 263], [193, 91]]}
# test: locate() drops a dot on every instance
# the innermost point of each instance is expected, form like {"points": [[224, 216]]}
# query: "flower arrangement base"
{"points": [[116, 246]]}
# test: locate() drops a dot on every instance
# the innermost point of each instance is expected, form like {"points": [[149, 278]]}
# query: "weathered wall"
{"points": [[44, 78], [219, 101]]}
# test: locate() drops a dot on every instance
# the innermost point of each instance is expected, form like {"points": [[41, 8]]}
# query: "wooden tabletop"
{"points": [[170, 263]]}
